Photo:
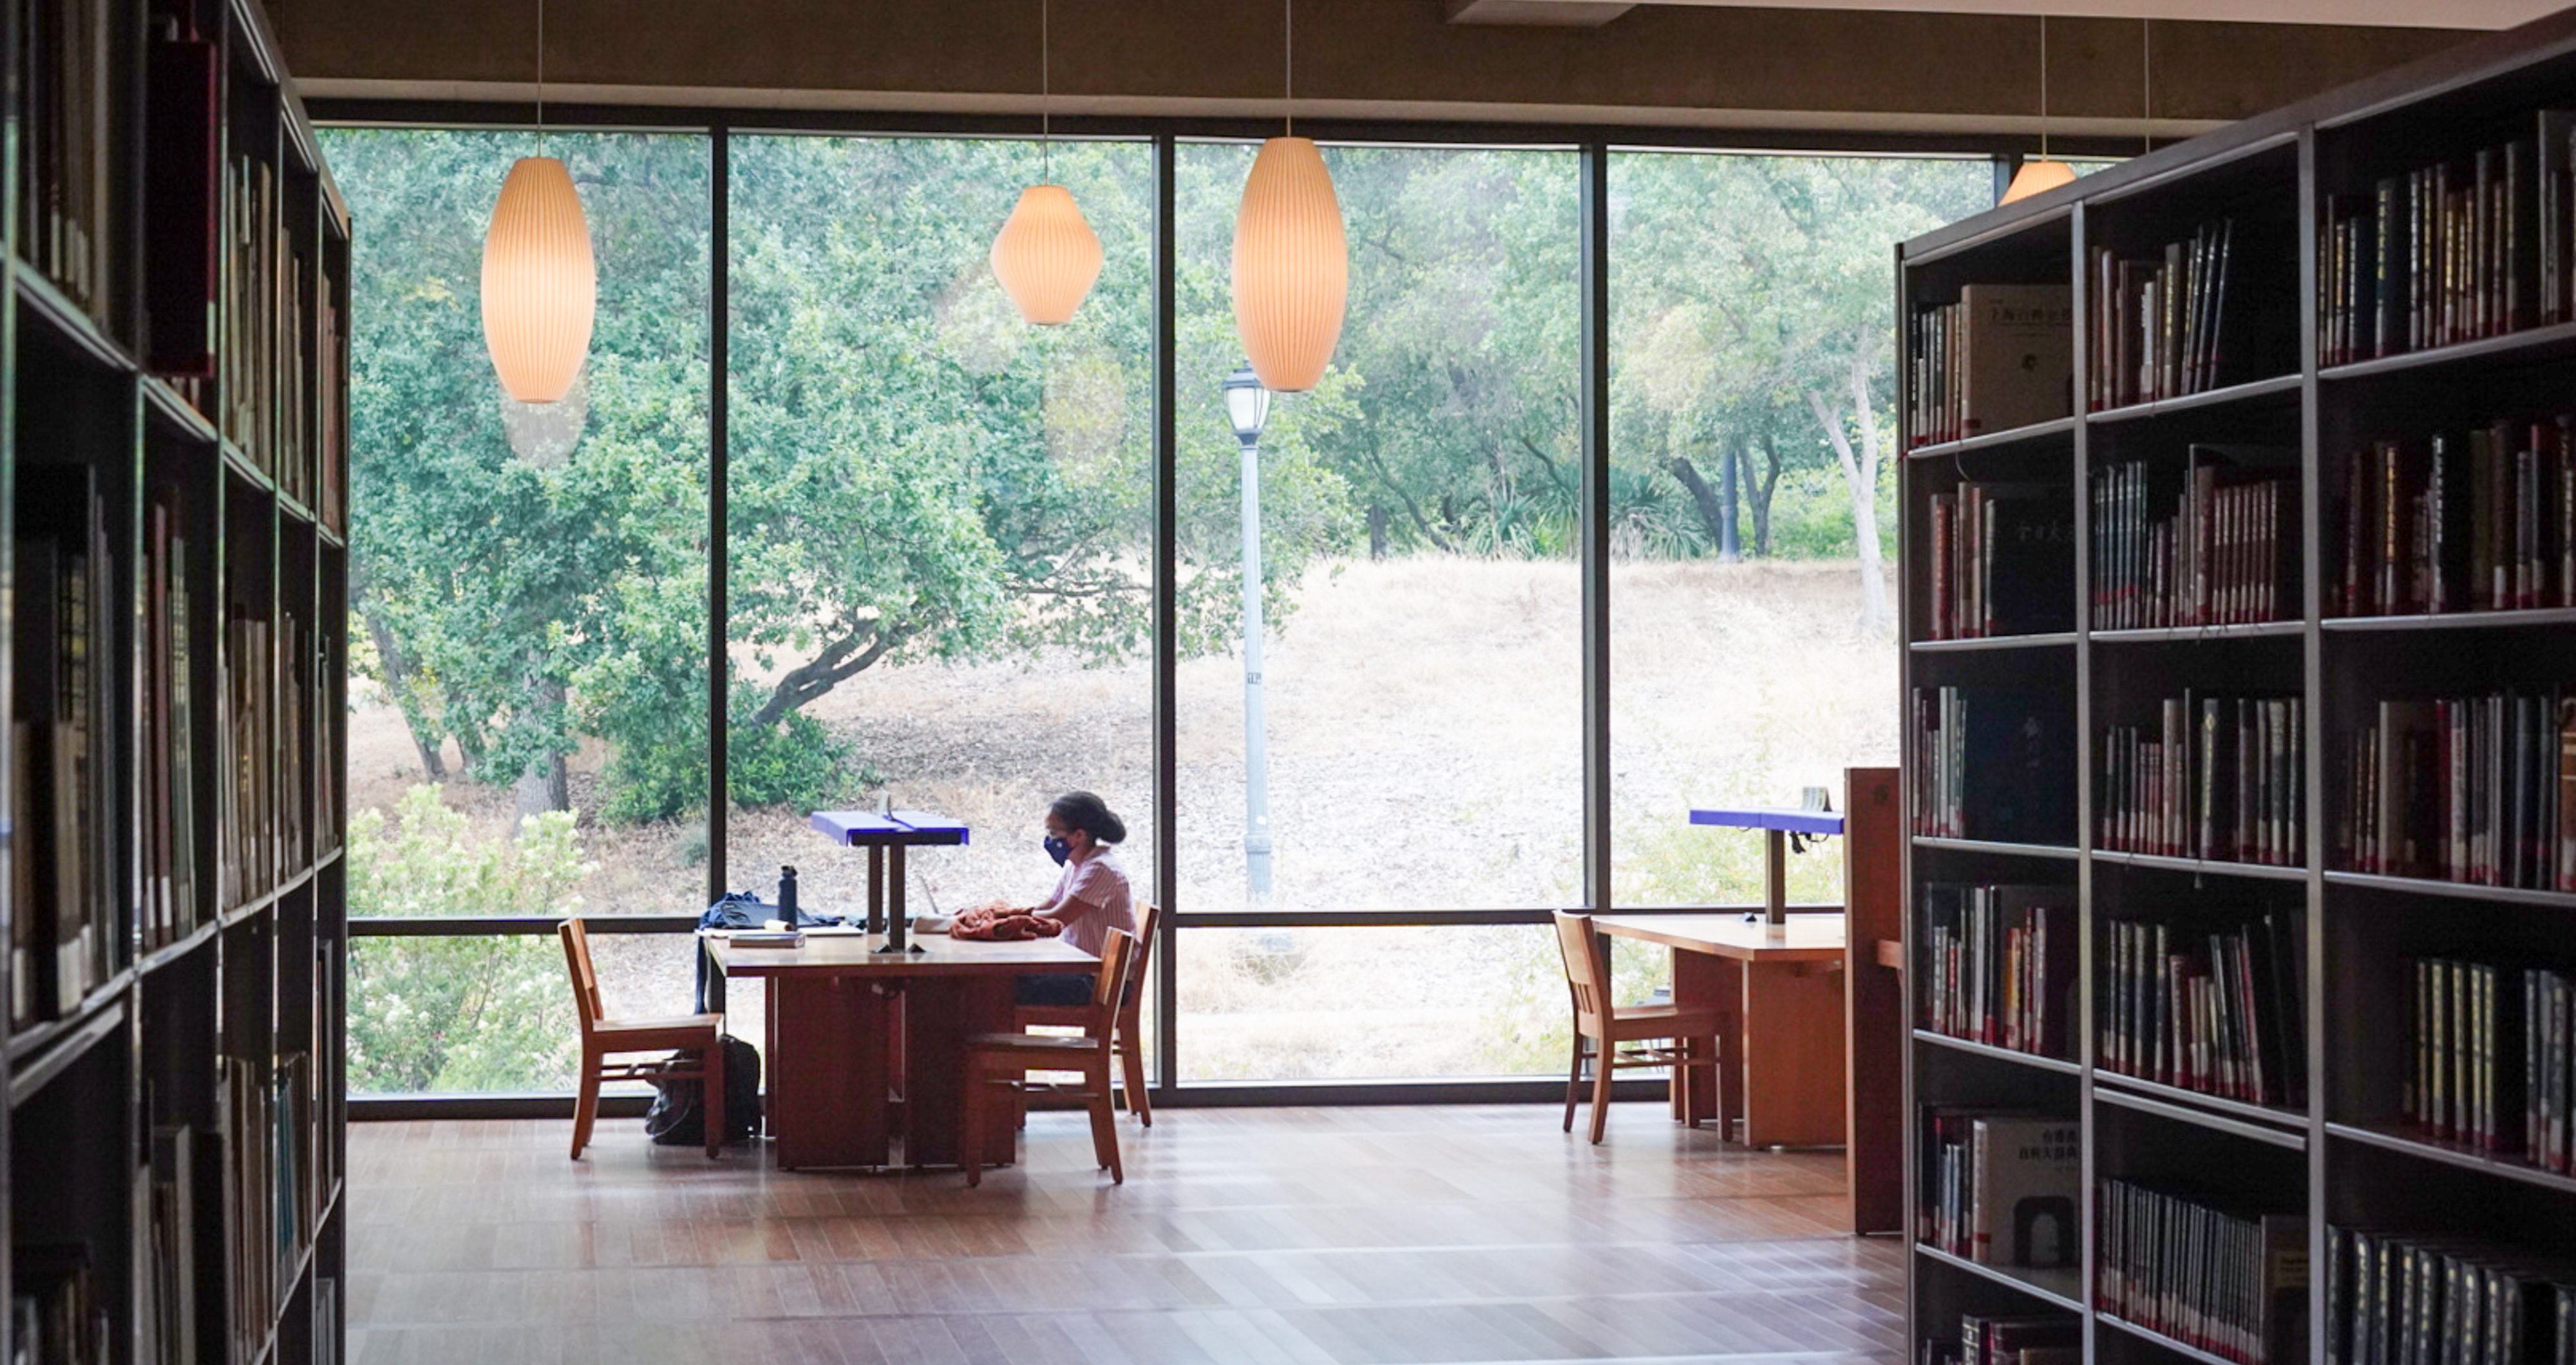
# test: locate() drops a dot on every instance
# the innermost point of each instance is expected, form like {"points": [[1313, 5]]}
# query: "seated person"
{"points": [[1090, 899]]}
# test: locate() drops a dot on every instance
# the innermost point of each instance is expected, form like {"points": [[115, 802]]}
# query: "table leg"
{"points": [[940, 1014], [1793, 1055], [876, 889], [827, 1071], [1775, 877], [1706, 979]]}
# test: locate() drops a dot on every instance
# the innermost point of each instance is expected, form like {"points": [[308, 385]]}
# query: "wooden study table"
{"points": [[836, 1096], [1778, 990]]}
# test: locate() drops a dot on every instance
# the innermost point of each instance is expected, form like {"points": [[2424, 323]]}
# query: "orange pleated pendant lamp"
{"points": [[1047, 257], [1291, 266], [2037, 177], [540, 283]]}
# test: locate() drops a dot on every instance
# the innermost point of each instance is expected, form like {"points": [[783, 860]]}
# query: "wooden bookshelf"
{"points": [[2337, 398], [173, 430]]}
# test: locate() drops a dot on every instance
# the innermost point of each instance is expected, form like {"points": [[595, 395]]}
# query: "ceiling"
{"points": [[2452, 14]]}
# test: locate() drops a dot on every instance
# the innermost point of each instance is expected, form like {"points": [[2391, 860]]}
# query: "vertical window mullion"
{"points": [[719, 286], [1592, 257]]}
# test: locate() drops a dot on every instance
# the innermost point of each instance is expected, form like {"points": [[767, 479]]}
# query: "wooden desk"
{"points": [[1778, 991], [836, 1098]]}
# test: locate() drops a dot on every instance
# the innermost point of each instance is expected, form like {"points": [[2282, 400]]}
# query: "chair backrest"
{"points": [[1116, 955], [1587, 968], [1142, 960], [585, 981]]}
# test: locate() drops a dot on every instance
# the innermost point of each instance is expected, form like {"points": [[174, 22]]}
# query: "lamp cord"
{"points": [[2146, 85], [2043, 87], [541, 66], [1288, 49], [1046, 128]]}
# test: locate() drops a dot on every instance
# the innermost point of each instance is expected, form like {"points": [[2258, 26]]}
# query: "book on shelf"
{"points": [[170, 906], [2481, 520], [2005, 560], [1998, 965], [2226, 1281], [2001, 1187], [2488, 1057], [2018, 1339], [63, 937], [2216, 1010], [183, 176], [2394, 1299], [2213, 542], [1991, 763], [67, 147], [2216, 778], [2452, 251], [1999, 358], [57, 1312], [2182, 320], [2475, 789], [167, 1324]]}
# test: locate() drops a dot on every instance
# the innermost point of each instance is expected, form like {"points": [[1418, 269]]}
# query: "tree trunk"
{"points": [[1712, 507], [547, 786], [1730, 546], [1377, 532], [1860, 477], [425, 739], [1762, 489]]}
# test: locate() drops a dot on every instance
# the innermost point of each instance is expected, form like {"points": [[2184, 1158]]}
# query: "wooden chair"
{"points": [[603, 1038], [1130, 1046], [1618, 1033], [998, 1064]]}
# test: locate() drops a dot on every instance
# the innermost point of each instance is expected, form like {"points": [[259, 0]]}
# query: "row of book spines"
{"points": [[2449, 252], [2479, 790], [2220, 778], [272, 336], [2220, 1015], [172, 908], [62, 939], [2489, 1056], [2481, 521], [2395, 1300], [65, 185], [270, 1197], [58, 1314], [2035, 1339], [2000, 965], [2000, 557], [1998, 359], [265, 805], [2001, 1187], [2159, 324], [2223, 557], [2231, 1284]]}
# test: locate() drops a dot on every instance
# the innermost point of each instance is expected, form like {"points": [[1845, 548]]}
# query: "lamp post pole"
{"points": [[1248, 407]]}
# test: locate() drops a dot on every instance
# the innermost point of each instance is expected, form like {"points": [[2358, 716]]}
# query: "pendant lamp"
{"points": [[1046, 256], [1291, 262], [2043, 174], [540, 283]]}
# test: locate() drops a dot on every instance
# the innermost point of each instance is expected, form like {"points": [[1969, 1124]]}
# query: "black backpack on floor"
{"points": [[678, 1115]]}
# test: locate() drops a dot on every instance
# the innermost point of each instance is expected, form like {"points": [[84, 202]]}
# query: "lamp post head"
{"points": [[1247, 404]]}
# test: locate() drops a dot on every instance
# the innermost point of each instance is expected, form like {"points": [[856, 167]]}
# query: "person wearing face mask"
{"points": [[1091, 896]]}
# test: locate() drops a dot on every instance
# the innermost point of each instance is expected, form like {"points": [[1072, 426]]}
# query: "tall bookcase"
{"points": [[2280, 415], [173, 461]]}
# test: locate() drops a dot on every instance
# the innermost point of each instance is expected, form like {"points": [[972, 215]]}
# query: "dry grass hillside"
{"points": [[1424, 751]]}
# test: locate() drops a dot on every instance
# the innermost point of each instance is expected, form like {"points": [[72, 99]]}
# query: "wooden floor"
{"points": [[1364, 1236]]}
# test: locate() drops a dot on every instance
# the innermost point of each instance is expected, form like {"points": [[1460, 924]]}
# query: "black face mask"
{"points": [[1057, 849]]}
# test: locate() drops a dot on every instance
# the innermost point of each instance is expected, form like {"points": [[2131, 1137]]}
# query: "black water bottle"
{"points": [[787, 895]]}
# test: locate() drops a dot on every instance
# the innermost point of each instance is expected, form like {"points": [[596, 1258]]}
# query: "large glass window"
{"points": [[1408, 737], [529, 588], [940, 517], [938, 573], [1752, 478]]}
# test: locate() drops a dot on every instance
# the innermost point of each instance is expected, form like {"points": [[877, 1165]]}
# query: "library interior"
{"points": [[1027, 680]]}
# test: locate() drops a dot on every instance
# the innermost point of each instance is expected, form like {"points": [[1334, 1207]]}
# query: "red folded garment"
{"points": [[991, 928]]}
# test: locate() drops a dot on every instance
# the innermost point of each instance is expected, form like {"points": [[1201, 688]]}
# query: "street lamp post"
{"points": [[1247, 405]]}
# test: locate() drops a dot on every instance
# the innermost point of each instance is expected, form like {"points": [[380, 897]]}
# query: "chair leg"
{"points": [[711, 1100], [1104, 1128], [1573, 1080], [585, 1108], [1132, 1056], [972, 1140], [1601, 1073]]}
